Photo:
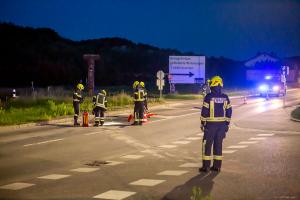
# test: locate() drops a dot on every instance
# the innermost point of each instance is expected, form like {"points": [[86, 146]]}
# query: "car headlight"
{"points": [[275, 88], [263, 88]]}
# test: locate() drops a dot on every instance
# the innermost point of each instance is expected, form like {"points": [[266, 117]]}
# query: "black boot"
{"points": [[101, 123], [216, 169], [204, 169]]}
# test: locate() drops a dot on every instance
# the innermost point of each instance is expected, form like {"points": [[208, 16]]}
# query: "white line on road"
{"points": [[181, 142], [266, 135], [44, 142], [16, 186], [114, 195], [92, 133], [168, 146], [237, 146], [54, 176], [257, 138], [172, 172], [228, 151], [248, 142]]}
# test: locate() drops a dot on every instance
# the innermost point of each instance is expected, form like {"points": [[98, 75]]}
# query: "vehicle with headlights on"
{"points": [[271, 88]]}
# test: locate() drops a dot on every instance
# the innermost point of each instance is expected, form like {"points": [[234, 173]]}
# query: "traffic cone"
{"points": [[130, 117]]}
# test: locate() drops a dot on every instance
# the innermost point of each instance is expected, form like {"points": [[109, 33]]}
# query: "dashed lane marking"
{"points": [[16, 186], [228, 151], [113, 163], [237, 146], [172, 172], [114, 195], [265, 135], [44, 142], [194, 138], [92, 133], [181, 142], [147, 182], [112, 123], [200, 134], [248, 142], [54, 176], [190, 165], [132, 156], [167, 146], [87, 169], [257, 138]]}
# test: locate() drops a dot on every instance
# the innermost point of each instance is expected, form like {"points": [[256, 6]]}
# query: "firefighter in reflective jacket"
{"points": [[139, 100], [215, 118], [142, 84], [77, 100], [100, 106]]}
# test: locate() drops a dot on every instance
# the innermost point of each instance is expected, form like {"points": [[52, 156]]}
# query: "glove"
{"points": [[202, 128], [226, 128]]}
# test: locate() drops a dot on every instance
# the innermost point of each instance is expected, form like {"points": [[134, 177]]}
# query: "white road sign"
{"points": [[187, 69], [160, 74]]}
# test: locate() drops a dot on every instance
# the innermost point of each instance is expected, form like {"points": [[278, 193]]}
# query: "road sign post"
{"points": [[160, 82]]}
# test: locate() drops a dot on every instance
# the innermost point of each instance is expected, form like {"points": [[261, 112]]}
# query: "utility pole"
{"points": [[91, 58]]}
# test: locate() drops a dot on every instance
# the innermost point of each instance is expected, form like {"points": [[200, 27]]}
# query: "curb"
{"points": [[295, 120]]}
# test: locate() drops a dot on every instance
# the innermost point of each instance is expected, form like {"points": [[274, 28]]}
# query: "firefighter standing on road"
{"points": [[100, 106], [139, 99], [142, 84], [215, 118], [77, 100]]}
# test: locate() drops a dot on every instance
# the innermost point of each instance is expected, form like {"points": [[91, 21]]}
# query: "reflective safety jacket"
{"points": [[139, 95], [100, 100], [216, 108], [77, 97]]}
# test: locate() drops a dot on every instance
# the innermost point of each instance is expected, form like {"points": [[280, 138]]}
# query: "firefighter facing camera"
{"points": [[77, 100], [100, 106], [215, 118]]}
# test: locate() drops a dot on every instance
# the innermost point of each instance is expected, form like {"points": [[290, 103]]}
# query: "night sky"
{"points": [[236, 29]]}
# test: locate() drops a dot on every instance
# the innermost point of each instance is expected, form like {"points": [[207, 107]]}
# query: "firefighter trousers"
{"points": [[76, 106], [99, 115], [138, 112], [214, 133]]}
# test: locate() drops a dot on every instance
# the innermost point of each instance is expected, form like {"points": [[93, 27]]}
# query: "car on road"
{"points": [[272, 88]]}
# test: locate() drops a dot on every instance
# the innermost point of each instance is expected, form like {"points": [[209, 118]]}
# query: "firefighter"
{"points": [[100, 106], [77, 100], [139, 99], [142, 84], [215, 118]]}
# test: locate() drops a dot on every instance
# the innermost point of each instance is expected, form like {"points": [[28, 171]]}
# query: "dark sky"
{"points": [[232, 28]]}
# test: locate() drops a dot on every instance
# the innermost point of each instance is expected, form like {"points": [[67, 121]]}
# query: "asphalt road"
{"points": [[158, 160]]}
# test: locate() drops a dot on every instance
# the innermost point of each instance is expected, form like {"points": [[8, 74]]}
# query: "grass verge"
{"points": [[25, 110], [183, 96]]}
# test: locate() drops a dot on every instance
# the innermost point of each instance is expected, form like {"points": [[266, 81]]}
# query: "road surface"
{"points": [[158, 160]]}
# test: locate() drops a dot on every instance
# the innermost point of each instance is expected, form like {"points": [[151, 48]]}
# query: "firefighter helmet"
{"points": [[142, 84], [215, 81], [80, 86], [135, 84], [103, 92]]}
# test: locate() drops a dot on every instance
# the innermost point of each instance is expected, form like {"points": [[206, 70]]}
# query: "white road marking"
{"points": [[112, 123], [114, 195], [113, 163], [16, 186], [168, 146], [44, 142], [54, 176], [92, 133], [237, 146], [265, 135], [181, 142], [172, 172], [147, 182], [86, 169], [257, 138], [228, 151], [248, 142], [200, 134], [194, 138], [190, 165], [132, 156]]}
